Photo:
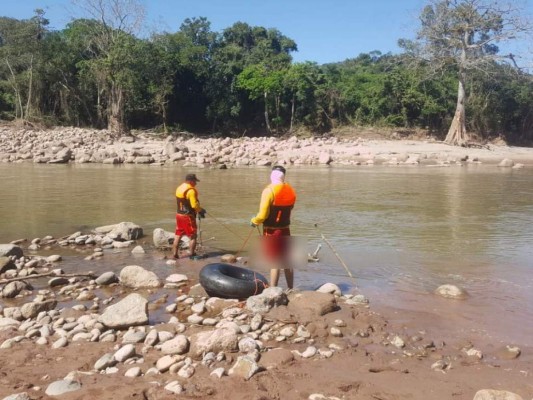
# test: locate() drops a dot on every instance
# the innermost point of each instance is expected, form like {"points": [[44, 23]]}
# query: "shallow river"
{"points": [[402, 231]]}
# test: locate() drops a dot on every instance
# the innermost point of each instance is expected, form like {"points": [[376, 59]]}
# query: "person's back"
{"points": [[277, 202]]}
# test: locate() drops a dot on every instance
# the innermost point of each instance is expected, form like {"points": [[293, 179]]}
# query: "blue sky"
{"points": [[325, 31]]}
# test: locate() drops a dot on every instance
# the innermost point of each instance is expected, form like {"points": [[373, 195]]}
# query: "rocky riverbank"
{"points": [[129, 333], [75, 145]]}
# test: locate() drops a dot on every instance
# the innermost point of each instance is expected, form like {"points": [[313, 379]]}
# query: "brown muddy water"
{"points": [[402, 231]]}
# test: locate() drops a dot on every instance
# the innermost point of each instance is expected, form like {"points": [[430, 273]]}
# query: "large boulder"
{"points": [[308, 305], [32, 309], [162, 239], [270, 297], [12, 289], [7, 250], [131, 311], [135, 276], [121, 231], [221, 339], [6, 263]]}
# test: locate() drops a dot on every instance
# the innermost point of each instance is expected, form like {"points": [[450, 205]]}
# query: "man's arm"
{"points": [[193, 199], [267, 197]]}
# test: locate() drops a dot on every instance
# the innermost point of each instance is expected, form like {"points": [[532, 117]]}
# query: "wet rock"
{"points": [[7, 250], [506, 163], [138, 250], [58, 281], [131, 311], [451, 292], [228, 258], [162, 239], [135, 276], [107, 278], [123, 231], [13, 289], [177, 278], [508, 352], [6, 263]]}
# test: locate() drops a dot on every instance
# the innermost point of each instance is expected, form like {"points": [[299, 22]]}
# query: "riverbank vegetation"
{"points": [[100, 72]]}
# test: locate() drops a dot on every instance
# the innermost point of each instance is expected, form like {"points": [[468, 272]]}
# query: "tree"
{"points": [[20, 55], [111, 38], [463, 34]]}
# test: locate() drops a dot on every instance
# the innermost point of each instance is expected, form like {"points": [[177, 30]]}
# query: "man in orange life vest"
{"points": [[188, 207], [277, 201]]}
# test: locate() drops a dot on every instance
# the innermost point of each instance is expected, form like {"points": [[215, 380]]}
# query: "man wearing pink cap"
{"points": [[277, 202]]}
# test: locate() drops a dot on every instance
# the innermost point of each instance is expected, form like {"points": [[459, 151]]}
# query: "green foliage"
{"points": [[241, 80]]}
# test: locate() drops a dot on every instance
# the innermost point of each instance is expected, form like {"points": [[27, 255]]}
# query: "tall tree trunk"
{"points": [[266, 114], [30, 87], [293, 101], [115, 122], [457, 133], [18, 97]]}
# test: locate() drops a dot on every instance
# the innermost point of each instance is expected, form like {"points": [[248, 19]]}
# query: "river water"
{"points": [[402, 231]]}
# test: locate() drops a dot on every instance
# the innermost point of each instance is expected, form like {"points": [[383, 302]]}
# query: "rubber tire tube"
{"points": [[230, 282]]}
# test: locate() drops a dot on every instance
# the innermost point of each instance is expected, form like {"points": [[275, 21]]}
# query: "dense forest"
{"points": [[240, 81]]}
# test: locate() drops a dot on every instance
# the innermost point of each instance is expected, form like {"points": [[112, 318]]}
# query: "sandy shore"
{"points": [[357, 352], [361, 352]]}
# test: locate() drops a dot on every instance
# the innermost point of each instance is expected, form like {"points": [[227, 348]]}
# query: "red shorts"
{"points": [[276, 243], [186, 225]]}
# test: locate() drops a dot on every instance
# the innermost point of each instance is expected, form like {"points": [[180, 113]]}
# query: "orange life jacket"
{"points": [[279, 215]]}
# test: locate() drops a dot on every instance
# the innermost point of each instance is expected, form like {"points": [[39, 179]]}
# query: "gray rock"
{"points": [[330, 288], [270, 297], [134, 337], [133, 372], [107, 278], [125, 231], [107, 360], [135, 276], [124, 353], [7, 250], [12, 289], [506, 163], [32, 309], [174, 387], [245, 367], [58, 281], [178, 345], [489, 394], [138, 250], [221, 339], [451, 292], [131, 311], [58, 388], [7, 323], [6, 264], [162, 239], [308, 305], [18, 396]]}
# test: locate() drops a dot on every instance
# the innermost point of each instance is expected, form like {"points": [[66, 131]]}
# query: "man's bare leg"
{"points": [[289, 277], [192, 245], [175, 246], [274, 277]]}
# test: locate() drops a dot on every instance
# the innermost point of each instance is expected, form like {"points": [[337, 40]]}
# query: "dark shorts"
{"points": [[276, 243], [186, 225]]}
